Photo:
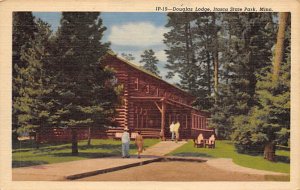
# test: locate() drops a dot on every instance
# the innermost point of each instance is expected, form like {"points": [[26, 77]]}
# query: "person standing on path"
{"points": [[139, 143], [176, 130], [125, 143], [172, 130]]}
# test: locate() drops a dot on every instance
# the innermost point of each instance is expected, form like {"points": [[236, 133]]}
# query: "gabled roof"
{"points": [[110, 52]]}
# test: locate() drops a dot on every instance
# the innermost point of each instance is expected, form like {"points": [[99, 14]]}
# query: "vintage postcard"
{"points": [[152, 95]]}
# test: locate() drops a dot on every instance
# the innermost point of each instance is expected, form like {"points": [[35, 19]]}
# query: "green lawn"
{"points": [[25, 153], [225, 149]]}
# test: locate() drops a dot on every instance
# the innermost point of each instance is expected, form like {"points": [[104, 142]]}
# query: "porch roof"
{"points": [[168, 101]]}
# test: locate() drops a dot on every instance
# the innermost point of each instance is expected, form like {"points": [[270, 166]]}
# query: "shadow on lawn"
{"points": [[24, 144], [192, 154], [17, 164], [51, 149], [54, 148], [44, 149], [278, 158], [99, 146], [284, 159], [89, 154]]}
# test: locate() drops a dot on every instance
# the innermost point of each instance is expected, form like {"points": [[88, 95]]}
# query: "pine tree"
{"points": [[37, 88], [268, 123], [24, 29], [177, 40], [85, 93], [249, 50], [150, 61], [207, 45], [189, 54]]}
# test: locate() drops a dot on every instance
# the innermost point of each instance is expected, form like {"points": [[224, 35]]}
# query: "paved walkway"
{"points": [[162, 148], [228, 165], [84, 168], [81, 168]]}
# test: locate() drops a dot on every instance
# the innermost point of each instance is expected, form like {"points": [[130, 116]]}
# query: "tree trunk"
{"points": [[279, 45], [215, 57], [269, 151], [89, 137], [208, 64], [37, 139], [74, 142], [187, 44]]}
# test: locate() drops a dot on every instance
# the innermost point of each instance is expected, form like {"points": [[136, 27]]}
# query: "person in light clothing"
{"points": [[172, 130], [139, 143], [125, 143], [176, 130]]}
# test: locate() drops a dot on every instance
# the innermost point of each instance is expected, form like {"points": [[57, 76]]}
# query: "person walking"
{"points": [[139, 143], [172, 130], [176, 130], [125, 143]]}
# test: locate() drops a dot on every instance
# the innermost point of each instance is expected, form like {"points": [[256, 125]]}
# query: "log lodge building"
{"points": [[150, 104]]}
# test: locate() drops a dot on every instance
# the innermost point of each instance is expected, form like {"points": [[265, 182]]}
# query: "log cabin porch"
{"points": [[157, 113], [150, 104]]}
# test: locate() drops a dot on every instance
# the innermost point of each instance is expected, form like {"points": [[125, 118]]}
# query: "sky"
{"points": [[130, 33]]}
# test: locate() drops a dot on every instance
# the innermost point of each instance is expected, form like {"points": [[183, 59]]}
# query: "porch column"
{"points": [[163, 119]]}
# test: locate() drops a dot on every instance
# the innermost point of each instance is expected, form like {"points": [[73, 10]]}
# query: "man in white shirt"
{"points": [[172, 130], [125, 143], [176, 130]]}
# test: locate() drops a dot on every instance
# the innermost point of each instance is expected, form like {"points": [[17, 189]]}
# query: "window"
{"points": [[136, 84], [201, 122], [194, 121], [186, 121], [147, 88]]}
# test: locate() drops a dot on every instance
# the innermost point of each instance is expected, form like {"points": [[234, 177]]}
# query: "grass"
{"points": [[25, 153], [225, 149]]}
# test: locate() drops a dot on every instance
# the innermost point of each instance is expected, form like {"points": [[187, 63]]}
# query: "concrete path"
{"points": [[83, 168], [162, 148], [228, 165], [73, 169]]}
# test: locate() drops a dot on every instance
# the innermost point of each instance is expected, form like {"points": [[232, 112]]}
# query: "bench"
{"points": [[199, 144], [200, 141], [210, 143]]}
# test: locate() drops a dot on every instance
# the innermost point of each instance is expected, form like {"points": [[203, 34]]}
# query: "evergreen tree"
{"points": [[150, 61], [177, 40], [85, 93], [189, 54], [268, 123], [249, 50], [207, 47], [24, 29], [35, 109]]}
